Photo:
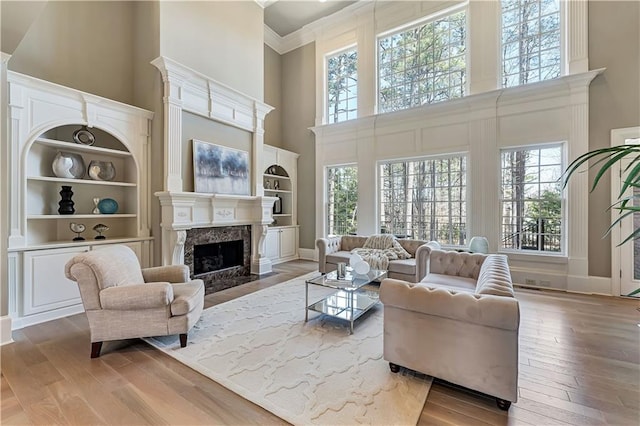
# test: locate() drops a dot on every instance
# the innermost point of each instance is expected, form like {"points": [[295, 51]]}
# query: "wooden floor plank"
{"points": [[579, 365]]}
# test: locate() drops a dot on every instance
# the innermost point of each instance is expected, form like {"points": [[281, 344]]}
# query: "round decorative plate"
{"points": [[84, 136]]}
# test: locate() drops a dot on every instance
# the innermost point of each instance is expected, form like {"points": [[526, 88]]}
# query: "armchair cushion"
{"points": [[113, 268], [170, 273], [139, 296]]}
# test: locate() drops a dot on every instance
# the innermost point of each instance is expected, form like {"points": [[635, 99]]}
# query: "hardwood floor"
{"points": [[579, 364]]}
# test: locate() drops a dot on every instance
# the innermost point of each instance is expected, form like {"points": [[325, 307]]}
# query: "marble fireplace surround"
{"points": [[191, 91], [224, 278]]}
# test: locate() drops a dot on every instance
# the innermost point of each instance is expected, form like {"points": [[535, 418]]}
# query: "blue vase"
{"points": [[108, 206]]}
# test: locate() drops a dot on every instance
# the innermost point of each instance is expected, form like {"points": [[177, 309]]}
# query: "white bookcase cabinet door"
{"points": [[46, 286], [288, 242], [272, 244], [282, 243]]}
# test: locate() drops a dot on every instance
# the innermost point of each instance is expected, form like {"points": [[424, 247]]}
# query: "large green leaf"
{"points": [[605, 159]]}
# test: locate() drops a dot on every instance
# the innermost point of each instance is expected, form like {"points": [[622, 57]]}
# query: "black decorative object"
{"points": [[78, 228], [66, 203], [84, 136], [277, 206], [100, 228]]}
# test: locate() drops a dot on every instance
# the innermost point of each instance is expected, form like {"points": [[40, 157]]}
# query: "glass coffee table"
{"points": [[350, 300]]}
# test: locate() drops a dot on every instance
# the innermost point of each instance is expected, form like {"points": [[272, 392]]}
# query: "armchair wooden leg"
{"points": [[503, 404], [183, 340], [95, 349]]}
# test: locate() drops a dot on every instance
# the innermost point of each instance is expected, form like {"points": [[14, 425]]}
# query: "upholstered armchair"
{"points": [[123, 301]]}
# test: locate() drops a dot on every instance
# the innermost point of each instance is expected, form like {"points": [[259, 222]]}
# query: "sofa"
{"points": [[459, 323], [334, 250]]}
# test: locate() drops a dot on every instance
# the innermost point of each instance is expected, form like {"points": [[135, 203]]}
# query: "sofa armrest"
{"points": [[326, 246], [169, 273], [491, 311], [422, 262], [495, 277], [137, 296]]}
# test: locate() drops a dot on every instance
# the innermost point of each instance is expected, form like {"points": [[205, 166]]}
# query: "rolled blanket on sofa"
{"points": [[378, 250]]}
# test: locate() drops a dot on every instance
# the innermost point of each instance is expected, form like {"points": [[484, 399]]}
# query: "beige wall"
{"points": [[273, 96], [298, 112], [17, 17], [222, 40], [197, 127], [614, 102], [85, 45], [147, 93]]}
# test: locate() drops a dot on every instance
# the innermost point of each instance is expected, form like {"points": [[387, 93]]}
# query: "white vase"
{"points": [[68, 165]]}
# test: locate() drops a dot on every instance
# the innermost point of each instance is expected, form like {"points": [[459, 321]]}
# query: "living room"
{"points": [[107, 49]]}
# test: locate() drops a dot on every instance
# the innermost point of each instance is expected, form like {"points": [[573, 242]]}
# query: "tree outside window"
{"points": [[423, 65], [530, 41], [342, 200], [531, 199], [425, 199], [342, 86]]}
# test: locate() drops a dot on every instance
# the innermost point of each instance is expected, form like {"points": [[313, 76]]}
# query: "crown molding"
{"points": [[265, 3], [310, 32]]}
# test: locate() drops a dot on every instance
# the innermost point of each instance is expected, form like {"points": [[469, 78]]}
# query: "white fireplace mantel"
{"points": [[181, 211], [188, 90]]}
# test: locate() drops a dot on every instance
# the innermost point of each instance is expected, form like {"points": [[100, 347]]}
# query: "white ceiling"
{"points": [[287, 16]]}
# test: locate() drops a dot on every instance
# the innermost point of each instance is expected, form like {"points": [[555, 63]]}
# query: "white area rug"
{"points": [[306, 373]]}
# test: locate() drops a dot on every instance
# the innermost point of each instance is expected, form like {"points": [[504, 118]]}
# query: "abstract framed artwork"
{"points": [[219, 169]]}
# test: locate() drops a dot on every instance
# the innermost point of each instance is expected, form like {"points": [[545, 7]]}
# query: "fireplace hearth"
{"points": [[220, 256]]}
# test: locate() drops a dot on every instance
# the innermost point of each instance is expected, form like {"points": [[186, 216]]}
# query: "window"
{"points": [[342, 196], [530, 41], [422, 65], [342, 86], [531, 199], [425, 199]]}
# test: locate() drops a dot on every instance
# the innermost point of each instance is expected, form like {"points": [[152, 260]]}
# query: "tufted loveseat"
{"points": [[337, 249], [459, 323]]}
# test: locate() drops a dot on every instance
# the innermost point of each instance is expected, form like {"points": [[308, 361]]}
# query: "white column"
{"points": [[483, 45], [577, 33], [483, 216], [5, 190], [172, 101], [578, 191], [16, 129]]}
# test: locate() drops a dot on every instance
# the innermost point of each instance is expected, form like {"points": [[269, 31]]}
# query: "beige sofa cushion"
{"points": [[403, 266], [451, 282], [465, 265], [339, 256], [491, 311]]}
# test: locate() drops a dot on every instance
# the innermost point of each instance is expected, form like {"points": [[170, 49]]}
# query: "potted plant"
{"points": [[605, 159]]}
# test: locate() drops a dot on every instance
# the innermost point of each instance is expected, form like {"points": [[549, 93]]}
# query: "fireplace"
{"points": [[220, 256], [213, 257]]}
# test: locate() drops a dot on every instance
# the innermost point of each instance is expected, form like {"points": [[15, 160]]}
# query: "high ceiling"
{"points": [[287, 16]]}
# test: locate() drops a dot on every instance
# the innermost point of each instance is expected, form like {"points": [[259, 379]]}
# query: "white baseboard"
{"points": [[28, 320], [308, 254], [5, 330]]}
